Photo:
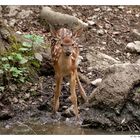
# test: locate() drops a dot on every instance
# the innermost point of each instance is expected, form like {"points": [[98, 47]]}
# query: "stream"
{"points": [[52, 129]]}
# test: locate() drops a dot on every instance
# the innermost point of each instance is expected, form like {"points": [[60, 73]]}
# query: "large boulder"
{"points": [[116, 102], [100, 61]]}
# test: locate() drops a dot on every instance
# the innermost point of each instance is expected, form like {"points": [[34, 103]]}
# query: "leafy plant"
{"points": [[19, 63]]}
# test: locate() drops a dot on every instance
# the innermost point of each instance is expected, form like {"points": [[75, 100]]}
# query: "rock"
{"points": [[12, 22], [100, 31], [13, 10], [90, 22], [68, 113], [138, 61], [121, 7], [97, 9], [137, 15], [116, 85], [15, 100], [100, 61], [96, 82], [24, 14], [13, 87], [6, 114], [133, 47], [116, 99], [136, 32]]}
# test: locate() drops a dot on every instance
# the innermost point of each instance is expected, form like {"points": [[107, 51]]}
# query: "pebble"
{"points": [[133, 46], [89, 74], [89, 68], [137, 15], [100, 32], [103, 42], [128, 55], [18, 32], [117, 51], [90, 22], [121, 7], [96, 82], [136, 31], [97, 9]]}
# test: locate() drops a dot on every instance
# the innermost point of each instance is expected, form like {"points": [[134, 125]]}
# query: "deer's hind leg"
{"points": [[73, 96]]}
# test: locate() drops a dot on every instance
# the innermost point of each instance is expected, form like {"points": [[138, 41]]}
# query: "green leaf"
{"points": [[6, 67], [15, 72], [24, 49], [18, 57], [27, 44], [10, 57], [4, 59], [28, 36], [36, 64], [39, 39], [23, 61]]}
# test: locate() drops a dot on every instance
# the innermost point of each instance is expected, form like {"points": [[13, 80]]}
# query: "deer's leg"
{"points": [[57, 92], [73, 96], [82, 91]]}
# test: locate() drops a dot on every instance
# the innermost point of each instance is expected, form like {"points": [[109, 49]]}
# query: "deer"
{"points": [[65, 55]]}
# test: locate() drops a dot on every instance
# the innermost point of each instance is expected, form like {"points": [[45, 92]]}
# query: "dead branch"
{"points": [[58, 20]]}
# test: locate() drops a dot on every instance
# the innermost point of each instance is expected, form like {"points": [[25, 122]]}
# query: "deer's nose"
{"points": [[68, 53]]}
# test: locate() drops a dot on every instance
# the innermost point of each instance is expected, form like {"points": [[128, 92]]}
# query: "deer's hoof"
{"points": [[56, 115]]}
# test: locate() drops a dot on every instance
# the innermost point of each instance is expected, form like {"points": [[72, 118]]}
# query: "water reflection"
{"points": [[47, 129]]}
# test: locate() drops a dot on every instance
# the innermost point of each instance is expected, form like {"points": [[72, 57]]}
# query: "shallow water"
{"points": [[51, 129]]}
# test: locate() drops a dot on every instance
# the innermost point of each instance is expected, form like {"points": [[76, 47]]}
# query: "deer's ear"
{"points": [[54, 32], [77, 32]]}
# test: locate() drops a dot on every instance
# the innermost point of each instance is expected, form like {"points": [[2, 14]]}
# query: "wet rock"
{"points": [[133, 47], [6, 114], [116, 100], [68, 112], [45, 107]]}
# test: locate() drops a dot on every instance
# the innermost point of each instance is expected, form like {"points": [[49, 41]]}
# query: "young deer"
{"points": [[65, 55]]}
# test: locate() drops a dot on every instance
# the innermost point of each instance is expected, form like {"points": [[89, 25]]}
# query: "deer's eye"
{"points": [[62, 45], [73, 44]]}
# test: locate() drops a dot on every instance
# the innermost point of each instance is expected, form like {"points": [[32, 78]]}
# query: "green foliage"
{"points": [[138, 90], [18, 64]]}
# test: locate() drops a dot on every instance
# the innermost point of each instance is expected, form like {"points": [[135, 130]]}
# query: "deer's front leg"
{"points": [[82, 91], [73, 96], [57, 92]]}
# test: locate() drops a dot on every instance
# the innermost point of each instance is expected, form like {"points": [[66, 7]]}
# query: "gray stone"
{"points": [[24, 14], [99, 60], [96, 82], [116, 85], [13, 10], [133, 47]]}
